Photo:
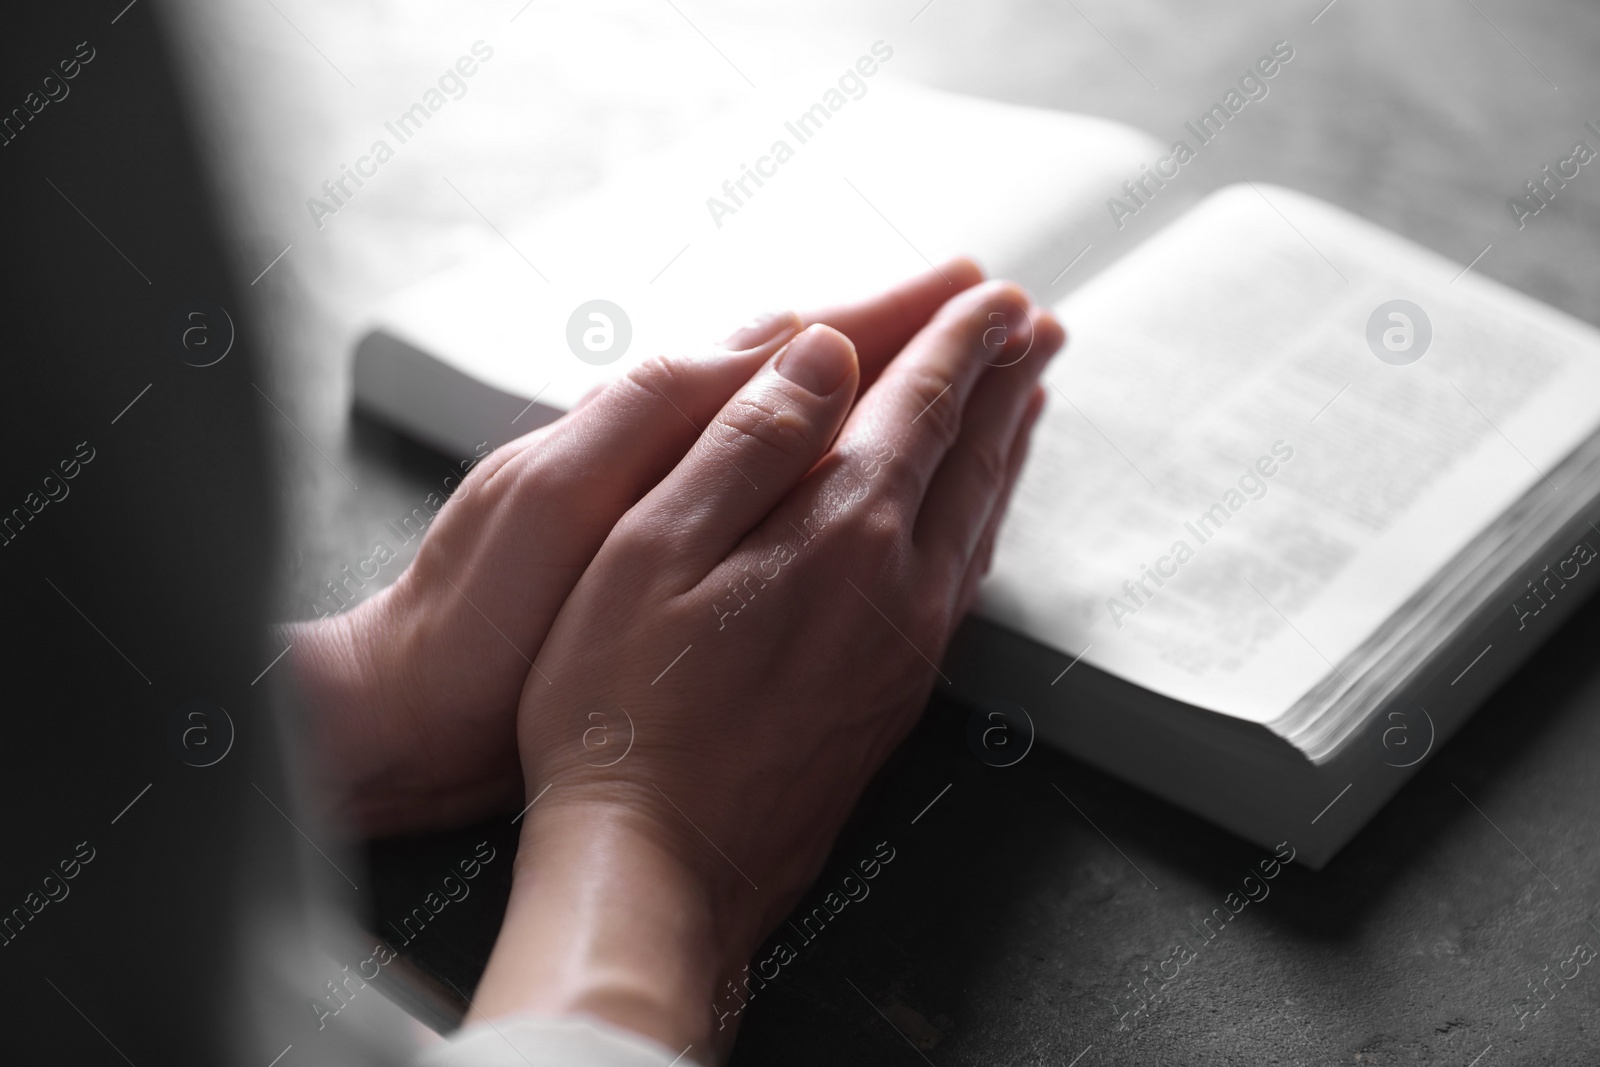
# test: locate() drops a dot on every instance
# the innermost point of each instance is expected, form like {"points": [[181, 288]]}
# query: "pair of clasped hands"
{"points": [[808, 510]]}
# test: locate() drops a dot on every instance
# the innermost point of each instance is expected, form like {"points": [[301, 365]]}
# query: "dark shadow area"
{"points": [[374, 443], [437, 900], [1006, 901]]}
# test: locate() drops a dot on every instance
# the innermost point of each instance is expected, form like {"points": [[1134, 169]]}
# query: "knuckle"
{"points": [[939, 411], [495, 470], [534, 477], [883, 534], [641, 541], [902, 483], [762, 420], [523, 477], [660, 376]]}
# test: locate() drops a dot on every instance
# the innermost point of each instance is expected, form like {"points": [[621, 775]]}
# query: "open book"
{"points": [[1278, 533]]}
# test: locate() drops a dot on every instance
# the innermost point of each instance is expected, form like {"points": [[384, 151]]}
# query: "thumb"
{"points": [[757, 449]]}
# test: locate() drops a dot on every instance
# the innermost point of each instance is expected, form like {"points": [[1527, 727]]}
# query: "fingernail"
{"points": [[760, 331], [818, 361]]}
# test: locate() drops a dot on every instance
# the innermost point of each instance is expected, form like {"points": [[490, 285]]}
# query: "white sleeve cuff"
{"points": [[529, 1041]]}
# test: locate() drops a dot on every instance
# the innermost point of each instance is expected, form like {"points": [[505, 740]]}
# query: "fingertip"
{"points": [[1005, 291], [1048, 331], [1035, 405], [820, 360], [837, 337], [961, 272], [762, 330], [994, 312]]}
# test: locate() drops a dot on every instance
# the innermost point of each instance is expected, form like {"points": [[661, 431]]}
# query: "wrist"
{"points": [[607, 920], [351, 686]]}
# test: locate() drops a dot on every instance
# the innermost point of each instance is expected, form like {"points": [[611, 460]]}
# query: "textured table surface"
{"points": [[1013, 925]]}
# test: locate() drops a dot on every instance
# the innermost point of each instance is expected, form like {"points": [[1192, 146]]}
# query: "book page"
{"points": [[1231, 488], [808, 195]]}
